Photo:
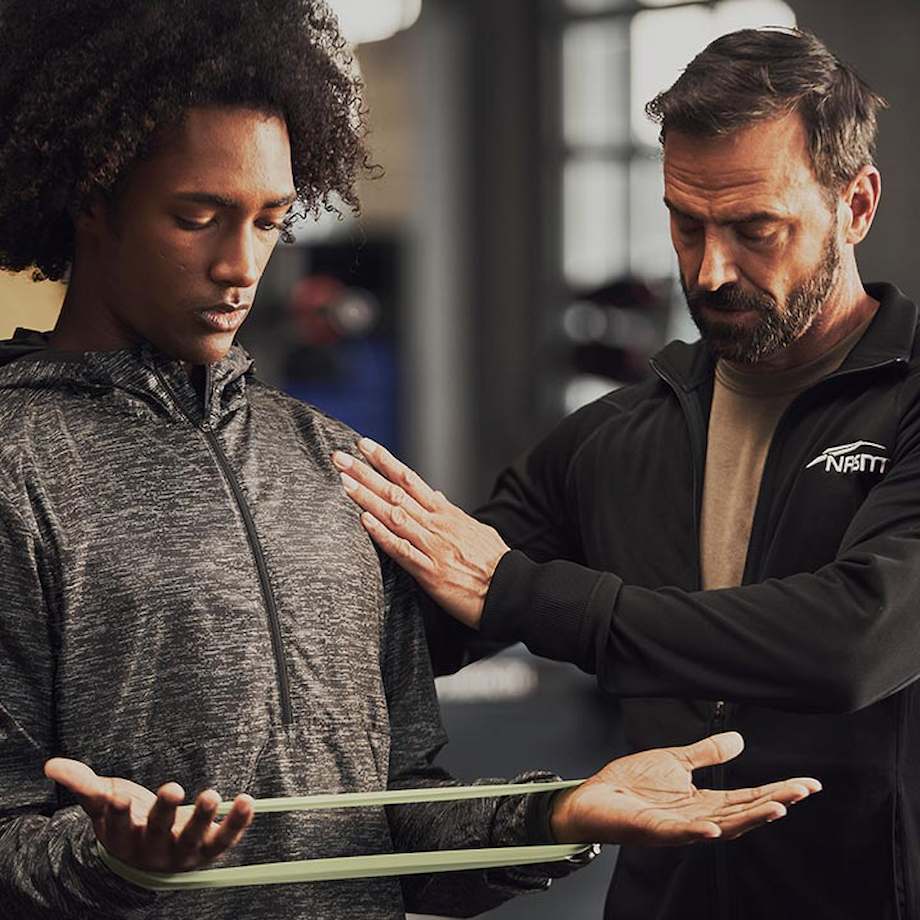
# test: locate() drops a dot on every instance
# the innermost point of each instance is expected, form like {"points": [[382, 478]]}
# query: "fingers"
{"points": [[391, 516], [73, 775], [787, 791], [383, 489], [745, 809], [162, 815], [668, 830], [394, 517], [680, 833], [229, 832], [399, 473], [771, 805], [735, 825], [413, 560], [119, 826], [147, 836], [196, 830], [710, 751], [94, 793]]}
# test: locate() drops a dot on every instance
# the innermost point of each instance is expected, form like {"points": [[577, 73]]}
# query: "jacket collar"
{"points": [[888, 340], [140, 374]]}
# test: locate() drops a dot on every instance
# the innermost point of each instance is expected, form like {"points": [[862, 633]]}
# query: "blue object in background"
{"points": [[362, 391]]}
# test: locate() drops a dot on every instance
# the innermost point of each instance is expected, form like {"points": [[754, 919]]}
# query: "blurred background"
{"points": [[512, 263]]}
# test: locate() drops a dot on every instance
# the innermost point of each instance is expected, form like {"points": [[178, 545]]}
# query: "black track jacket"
{"points": [[814, 658]]}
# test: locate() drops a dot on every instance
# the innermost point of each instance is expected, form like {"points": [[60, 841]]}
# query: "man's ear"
{"points": [[95, 219], [90, 214], [861, 200]]}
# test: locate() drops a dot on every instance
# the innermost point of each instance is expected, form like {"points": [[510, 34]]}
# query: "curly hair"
{"points": [[84, 84]]}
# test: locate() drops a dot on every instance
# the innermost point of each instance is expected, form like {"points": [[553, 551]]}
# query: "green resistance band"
{"points": [[353, 867]]}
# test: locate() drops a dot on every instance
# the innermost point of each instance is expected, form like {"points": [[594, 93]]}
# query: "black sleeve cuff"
{"points": [[557, 609], [536, 820]]}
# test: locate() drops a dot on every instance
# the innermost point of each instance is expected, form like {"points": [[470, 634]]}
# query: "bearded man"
{"points": [[736, 541]]}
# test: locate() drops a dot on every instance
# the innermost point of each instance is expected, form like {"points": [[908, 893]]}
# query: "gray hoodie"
{"points": [[186, 594]]}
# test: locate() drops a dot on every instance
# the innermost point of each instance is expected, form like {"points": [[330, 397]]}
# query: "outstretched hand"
{"points": [[154, 832], [450, 554], [648, 799]]}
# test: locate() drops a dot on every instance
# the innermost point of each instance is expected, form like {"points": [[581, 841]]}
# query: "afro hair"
{"points": [[84, 84]]}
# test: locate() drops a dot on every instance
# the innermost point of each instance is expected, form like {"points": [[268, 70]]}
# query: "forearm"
{"points": [[451, 645], [834, 640], [49, 870], [416, 736], [473, 824]]}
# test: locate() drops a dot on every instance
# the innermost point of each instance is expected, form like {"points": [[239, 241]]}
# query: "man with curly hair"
{"points": [[189, 601]]}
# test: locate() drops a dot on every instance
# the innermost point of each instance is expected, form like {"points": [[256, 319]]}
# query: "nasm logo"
{"points": [[858, 457]]}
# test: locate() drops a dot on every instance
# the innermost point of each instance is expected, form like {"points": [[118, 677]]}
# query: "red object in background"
{"points": [[324, 310]]}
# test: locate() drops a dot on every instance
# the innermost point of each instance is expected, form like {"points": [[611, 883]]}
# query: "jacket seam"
{"points": [[576, 455], [597, 431]]}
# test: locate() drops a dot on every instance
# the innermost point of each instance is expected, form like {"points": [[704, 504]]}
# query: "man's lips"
{"points": [[718, 308], [224, 317]]}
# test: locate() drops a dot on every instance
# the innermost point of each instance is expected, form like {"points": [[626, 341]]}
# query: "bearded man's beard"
{"points": [[775, 328]]}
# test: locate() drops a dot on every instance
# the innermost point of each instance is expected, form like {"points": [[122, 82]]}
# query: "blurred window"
{"points": [[594, 6], [596, 237], [615, 55], [595, 83]]}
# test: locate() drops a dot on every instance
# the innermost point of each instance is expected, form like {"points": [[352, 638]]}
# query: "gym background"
{"points": [[513, 262]]}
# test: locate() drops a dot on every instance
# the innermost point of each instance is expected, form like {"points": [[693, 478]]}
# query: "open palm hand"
{"points": [[649, 799], [152, 831]]}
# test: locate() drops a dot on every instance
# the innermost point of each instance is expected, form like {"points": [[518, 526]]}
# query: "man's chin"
{"points": [[206, 349], [728, 343], [727, 335], [728, 351]]}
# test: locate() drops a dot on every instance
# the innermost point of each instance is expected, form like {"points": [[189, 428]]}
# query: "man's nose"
{"points": [[718, 265], [236, 264]]}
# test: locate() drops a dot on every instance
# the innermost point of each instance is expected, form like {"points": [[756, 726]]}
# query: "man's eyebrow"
{"points": [[749, 218], [221, 201], [284, 202]]}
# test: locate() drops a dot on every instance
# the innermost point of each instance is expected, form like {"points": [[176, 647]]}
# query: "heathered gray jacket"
{"points": [[186, 594]]}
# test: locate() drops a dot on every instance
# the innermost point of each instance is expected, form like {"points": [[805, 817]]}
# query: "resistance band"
{"points": [[352, 867]]}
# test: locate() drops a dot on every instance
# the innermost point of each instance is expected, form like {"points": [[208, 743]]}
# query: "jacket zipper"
{"points": [[284, 688], [719, 721], [720, 856], [697, 430], [697, 437]]}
